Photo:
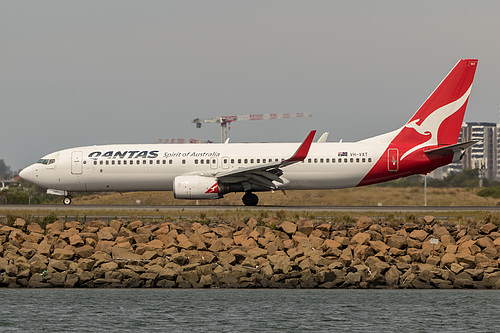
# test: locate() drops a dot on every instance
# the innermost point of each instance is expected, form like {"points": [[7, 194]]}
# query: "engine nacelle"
{"points": [[196, 187]]}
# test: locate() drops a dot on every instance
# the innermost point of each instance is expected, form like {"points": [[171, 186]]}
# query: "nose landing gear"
{"points": [[67, 200], [67, 196]]}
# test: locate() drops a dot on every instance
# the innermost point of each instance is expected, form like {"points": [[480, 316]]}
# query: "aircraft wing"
{"points": [[265, 174], [448, 150]]}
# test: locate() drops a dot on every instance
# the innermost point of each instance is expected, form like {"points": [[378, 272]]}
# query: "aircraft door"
{"points": [[77, 162], [393, 159], [225, 162], [213, 163]]}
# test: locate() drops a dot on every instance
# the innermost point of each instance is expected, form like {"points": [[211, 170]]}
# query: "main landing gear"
{"points": [[67, 200], [250, 199]]}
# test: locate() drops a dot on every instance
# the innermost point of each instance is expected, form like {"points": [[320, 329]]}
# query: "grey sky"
{"points": [[78, 73]]}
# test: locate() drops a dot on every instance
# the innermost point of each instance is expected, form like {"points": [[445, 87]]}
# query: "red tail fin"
{"points": [[436, 124], [438, 121]]}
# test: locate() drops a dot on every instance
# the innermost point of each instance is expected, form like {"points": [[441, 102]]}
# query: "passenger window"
{"points": [[164, 161], [363, 160], [150, 161], [263, 160], [345, 160], [170, 161], [315, 160], [208, 161], [157, 161], [183, 161], [113, 162], [246, 161], [258, 160], [327, 160], [232, 161], [357, 160], [195, 161], [101, 162], [214, 161], [309, 160], [333, 160], [369, 159], [202, 161], [95, 162], [125, 162], [340, 160], [144, 162], [239, 160], [352, 160], [107, 162], [119, 162], [320, 160], [251, 161]]}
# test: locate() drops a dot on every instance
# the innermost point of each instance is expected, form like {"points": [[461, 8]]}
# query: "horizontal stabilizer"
{"points": [[451, 149]]}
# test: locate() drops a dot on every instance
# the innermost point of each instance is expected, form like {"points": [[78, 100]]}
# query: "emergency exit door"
{"points": [[213, 163]]}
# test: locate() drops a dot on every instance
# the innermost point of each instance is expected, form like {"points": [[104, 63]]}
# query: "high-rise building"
{"points": [[484, 154]]}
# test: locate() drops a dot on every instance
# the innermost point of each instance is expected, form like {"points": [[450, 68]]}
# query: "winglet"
{"points": [[303, 150]]}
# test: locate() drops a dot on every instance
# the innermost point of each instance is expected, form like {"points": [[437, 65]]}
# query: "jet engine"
{"points": [[196, 187]]}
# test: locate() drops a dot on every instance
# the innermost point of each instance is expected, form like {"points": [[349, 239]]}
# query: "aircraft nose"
{"points": [[27, 174]]}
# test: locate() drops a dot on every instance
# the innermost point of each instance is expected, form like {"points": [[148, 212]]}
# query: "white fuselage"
{"points": [[153, 167]]}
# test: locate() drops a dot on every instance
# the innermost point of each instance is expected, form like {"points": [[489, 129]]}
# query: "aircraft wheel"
{"points": [[67, 200], [250, 199]]}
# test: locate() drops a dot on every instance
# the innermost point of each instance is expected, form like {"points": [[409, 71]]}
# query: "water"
{"points": [[229, 310]]}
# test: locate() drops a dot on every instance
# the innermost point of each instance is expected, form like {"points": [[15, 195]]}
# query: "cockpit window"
{"points": [[47, 161]]}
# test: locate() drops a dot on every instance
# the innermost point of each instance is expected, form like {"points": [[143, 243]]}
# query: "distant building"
{"points": [[484, 154]]}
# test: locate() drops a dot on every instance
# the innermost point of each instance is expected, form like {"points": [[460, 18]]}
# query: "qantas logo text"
{"points": [[125, 154]]}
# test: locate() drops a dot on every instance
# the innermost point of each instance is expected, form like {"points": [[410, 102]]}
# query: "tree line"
{"points": [[466, 178], [5, 172]]}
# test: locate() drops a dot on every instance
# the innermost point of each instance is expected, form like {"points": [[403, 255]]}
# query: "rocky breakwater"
{"points": [[300, 254]]}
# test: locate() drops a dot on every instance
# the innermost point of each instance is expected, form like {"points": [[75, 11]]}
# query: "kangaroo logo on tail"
{"points": [[431, 124], [439, 120], [436, 124]]}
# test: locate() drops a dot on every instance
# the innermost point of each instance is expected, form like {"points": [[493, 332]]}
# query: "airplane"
{"points": [[209, 171]]}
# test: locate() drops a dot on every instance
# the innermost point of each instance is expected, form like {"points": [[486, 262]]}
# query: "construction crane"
{"points": [[224, 121], [182, 141]]}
